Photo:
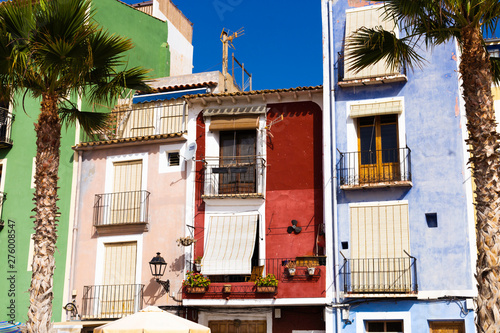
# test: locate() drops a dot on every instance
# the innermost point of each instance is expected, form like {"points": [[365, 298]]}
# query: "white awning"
{"points": [[230, 243]]}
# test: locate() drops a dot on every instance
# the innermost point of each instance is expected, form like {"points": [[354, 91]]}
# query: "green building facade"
{"points": [[149, 36]]}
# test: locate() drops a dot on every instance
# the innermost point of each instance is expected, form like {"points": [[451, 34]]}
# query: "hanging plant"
{"points": [[185, 241]]}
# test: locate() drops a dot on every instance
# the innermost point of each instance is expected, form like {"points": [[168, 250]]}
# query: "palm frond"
{"points": [[134, 78], [91, 122], [368, 46], [495, 70]]}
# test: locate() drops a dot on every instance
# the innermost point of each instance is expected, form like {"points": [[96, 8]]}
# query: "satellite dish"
{"points": [[188, 153], [294, 228]]}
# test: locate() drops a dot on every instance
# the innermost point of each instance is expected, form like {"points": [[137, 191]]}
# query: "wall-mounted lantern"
{"points": [[158, 267]]}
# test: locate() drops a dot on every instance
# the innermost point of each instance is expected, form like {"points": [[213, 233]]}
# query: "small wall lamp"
{"points": [[158, 267]]}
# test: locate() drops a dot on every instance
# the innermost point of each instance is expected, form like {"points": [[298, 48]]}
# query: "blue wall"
{"points": [[434, 135]]}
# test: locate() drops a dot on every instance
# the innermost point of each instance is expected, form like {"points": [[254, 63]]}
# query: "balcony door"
{"points": [[379, 237], [118, 294], [378, 147], [127, 197], [238, 162]]}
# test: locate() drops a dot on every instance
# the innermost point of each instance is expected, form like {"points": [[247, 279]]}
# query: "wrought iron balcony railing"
{"points": [[238, 176], [111, 301], [371, 168], [380, 276], [121, 208], [161, 117], [6, 119]]}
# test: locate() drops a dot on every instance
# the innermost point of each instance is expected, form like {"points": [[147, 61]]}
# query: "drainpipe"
{"points": [[329, 149]]}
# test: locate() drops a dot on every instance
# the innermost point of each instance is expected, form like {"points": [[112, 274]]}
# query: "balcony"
{"points": [[121, 209], [234, 177], [158, 119], [6, 119], [380, 168], [111, 301], [303, 284], [380, 277]]}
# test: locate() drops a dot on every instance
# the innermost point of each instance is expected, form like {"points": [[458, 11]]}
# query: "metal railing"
{"points": [[154, 118], [380, 275], [234, 176], [111, 301], [374, 167], [275, 266], [121, 208], [6, 119]]}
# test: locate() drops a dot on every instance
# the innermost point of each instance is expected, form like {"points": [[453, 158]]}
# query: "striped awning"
{"points": [[230, 244], [165, 96], [376, 109], [236, 110]]}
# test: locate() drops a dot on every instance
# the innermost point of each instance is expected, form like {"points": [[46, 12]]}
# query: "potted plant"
{"points": [[197, 263], [311, 269], [291, 266], [266, 284], [185, 241], [196, 282]]}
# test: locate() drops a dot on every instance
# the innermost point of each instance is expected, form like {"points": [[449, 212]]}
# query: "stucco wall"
{"points": [[166, 221], [433, 132]]}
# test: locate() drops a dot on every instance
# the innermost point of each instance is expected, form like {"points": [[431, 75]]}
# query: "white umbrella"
{"points": [[152, 320]]}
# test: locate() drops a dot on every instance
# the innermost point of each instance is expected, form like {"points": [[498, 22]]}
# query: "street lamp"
{"points": [[158, 267]]}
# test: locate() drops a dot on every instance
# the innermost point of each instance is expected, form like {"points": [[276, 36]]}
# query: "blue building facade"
{"points": [[400, 188]]}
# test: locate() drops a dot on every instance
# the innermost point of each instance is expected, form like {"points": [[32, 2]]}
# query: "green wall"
{"points": [[149, 36]]}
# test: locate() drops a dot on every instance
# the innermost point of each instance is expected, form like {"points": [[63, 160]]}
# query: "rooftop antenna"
{"points": [[227, 41]]}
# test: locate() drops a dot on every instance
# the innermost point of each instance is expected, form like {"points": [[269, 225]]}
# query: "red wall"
{"points": [[294, 179]]}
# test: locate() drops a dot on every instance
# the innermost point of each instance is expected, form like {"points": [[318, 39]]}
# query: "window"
{"points": [[237, 162], [447, 326], [378, 147], [126, 198], [393, 326], [118, 291], [231, 245], [173, 159], [379, 238], [369, 17]]}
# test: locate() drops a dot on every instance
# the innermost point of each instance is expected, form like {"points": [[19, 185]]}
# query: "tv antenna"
{"points": [[271, 123], [226, 37]]}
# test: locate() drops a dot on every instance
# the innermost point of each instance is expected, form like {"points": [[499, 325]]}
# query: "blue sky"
{"points": [[281, 45]]}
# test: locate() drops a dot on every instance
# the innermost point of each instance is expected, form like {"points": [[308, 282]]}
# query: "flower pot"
{"points": [[311, 270], [291, 271], [266, 289], [227, 288], [198, 267], [196, 290]]}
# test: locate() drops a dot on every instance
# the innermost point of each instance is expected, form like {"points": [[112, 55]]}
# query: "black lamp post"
{"points": [[158, 267]]}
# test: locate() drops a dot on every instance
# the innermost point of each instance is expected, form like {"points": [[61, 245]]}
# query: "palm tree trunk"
{"points": [[484, 143], [48, 131]]}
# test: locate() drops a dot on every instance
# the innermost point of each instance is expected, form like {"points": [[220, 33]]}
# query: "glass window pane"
{"points": [[375, 326], [389, 138], [367, 145], [394, 326]]}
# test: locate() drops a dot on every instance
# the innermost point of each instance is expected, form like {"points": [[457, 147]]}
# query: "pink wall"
{"points": [[166, 223]]}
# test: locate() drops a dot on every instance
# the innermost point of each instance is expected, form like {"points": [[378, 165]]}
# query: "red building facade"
{"points": [[258, 210]]}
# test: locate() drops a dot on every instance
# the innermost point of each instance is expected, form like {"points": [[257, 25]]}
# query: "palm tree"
{"points": [[51, 50], [436, 22]]}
